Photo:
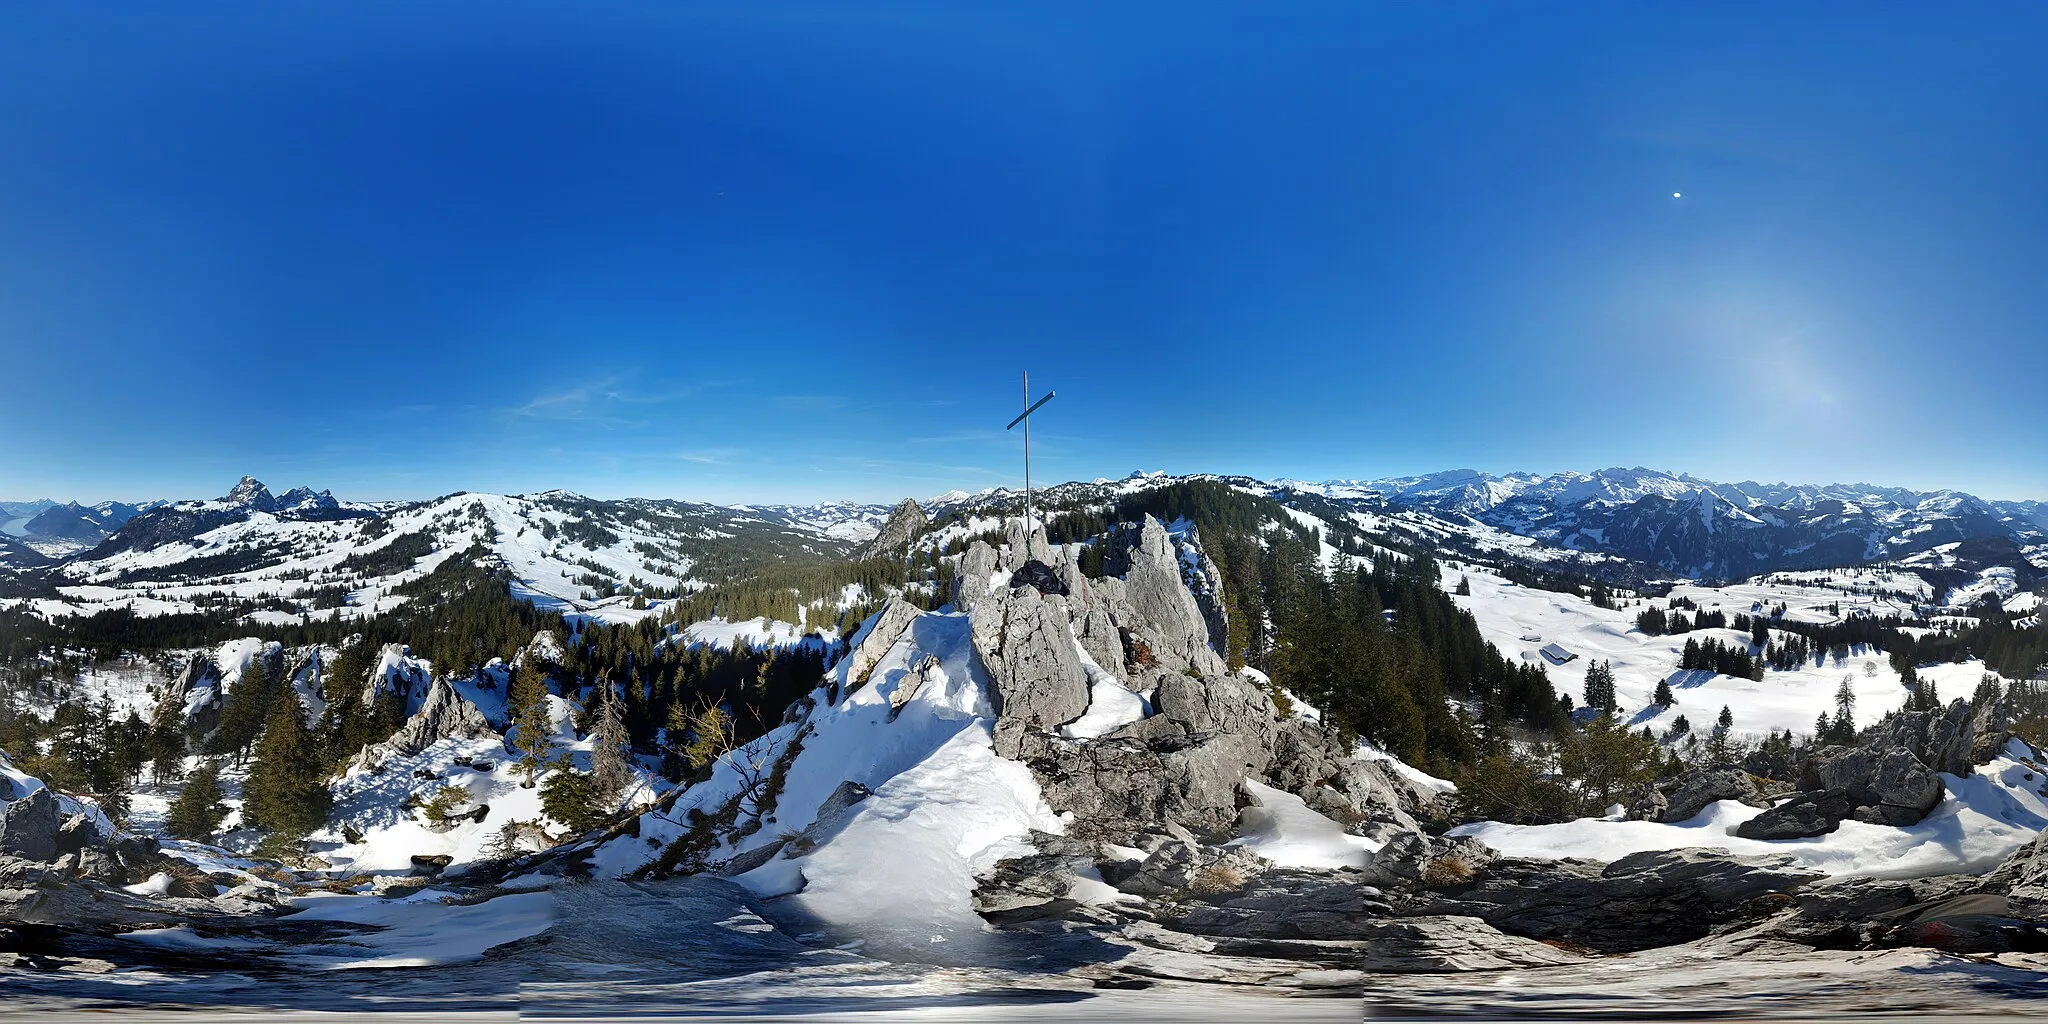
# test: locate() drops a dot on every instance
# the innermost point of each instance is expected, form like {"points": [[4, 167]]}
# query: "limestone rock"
{"points": [[444, 714], [1411, 945], [906, 523], [1033, 666], [1160, 611], [1990, 728], [889, 627], [1886, 784], [1805, 815], [971, 580], [1288, 905], [1701, 787], [30, 826], [1411, 858], [1641, 901]]}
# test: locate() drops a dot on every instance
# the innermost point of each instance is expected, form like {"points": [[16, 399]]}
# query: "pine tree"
{"points": [[166, 739], [611, 771], [243, 712], [568, 797], [287, 788], [1663, 697], [1844, 725], [532, 726], [198, 811], [1726, 721], [1600, 686]]}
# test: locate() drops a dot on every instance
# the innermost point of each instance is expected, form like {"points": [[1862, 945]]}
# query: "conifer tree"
{"points": [[243, 712], [610, 770], [532, 727], [198, 811], [287, 787], [1600, 686], [1663, 698]]}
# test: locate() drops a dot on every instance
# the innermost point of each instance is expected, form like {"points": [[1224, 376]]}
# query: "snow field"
{"points": [[1980, 821]]}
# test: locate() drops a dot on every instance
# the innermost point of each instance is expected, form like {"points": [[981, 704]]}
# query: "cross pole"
{"points": [[1025, 418]]}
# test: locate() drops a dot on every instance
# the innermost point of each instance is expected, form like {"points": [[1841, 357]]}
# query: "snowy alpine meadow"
{"points": [[1172, 755]]}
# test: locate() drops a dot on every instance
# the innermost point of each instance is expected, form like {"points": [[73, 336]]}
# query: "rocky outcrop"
{"points": [[1434, 862], [1286, 905], [1309, 762], [443, 715], [1685, 797], [906, 523], [29, 826], [1884, 785], [972, 580], [1638, 902], [1943, 741], [894, 621], [1035, 670], [2023, 877], [1990, 728], [1152, 603], [1803, 816]]}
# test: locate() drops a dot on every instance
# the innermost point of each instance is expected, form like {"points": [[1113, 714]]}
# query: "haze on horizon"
{"points": [[741, 252]]}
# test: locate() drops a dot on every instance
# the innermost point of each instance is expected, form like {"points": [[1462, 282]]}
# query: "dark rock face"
{"points": [[1802, 817], [1884, 785], [1638, 902], [1944, 740], [1288, 905]]}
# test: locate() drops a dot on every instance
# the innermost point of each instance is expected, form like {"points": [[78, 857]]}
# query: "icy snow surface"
{"points": [[1281, 828]]}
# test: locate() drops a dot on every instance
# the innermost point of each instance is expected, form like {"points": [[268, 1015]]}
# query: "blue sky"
{"points": [[797, 251]]}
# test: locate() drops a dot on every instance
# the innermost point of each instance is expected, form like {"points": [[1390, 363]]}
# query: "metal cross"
{"points": [[1025, 418]]}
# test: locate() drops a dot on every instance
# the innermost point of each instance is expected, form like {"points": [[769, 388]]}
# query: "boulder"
{"points": [[29, 827], [1804, 816], [1181, 862], [1884, 784], [1700, 787], [1416, 858]]}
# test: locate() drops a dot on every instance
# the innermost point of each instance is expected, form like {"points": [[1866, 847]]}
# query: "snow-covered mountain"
{"points": [[308, 553], [1701, 528]]}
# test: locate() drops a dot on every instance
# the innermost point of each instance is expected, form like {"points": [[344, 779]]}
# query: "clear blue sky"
{"points": [[793, 251]]}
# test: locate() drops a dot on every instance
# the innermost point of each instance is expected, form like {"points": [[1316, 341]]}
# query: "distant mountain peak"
{"points": [[252, 493]]}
